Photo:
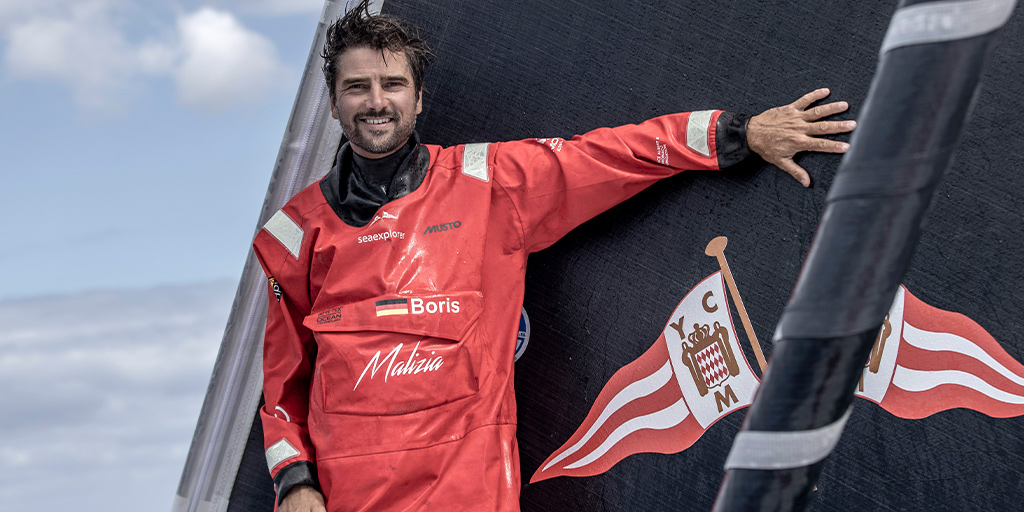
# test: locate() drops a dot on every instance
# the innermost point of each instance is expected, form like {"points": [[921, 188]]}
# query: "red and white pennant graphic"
{"points": [[926, 360], [929, 360], [693, 375]]}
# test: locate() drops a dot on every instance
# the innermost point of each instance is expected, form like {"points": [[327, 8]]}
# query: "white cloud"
{"points": [[82, 49], [214, 61], [279, 7], [101, 389], [224, 63]]}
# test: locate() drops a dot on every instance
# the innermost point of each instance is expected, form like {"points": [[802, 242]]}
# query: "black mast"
{"points": [[931, 64]]}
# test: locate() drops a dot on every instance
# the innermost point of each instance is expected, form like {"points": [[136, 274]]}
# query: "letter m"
{"points": [[430, 229], [723, 402], [376, 362]]}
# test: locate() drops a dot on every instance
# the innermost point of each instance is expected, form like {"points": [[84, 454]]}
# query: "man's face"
{"points": [[375, 100]]}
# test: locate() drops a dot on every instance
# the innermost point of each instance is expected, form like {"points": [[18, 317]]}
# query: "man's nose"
{"points": [[375, 100]]}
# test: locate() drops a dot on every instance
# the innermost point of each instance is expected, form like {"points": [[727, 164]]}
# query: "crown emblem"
{"points": [[709, 356]]}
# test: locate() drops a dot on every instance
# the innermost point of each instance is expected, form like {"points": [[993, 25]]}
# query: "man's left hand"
{"points": [[780, 133]]}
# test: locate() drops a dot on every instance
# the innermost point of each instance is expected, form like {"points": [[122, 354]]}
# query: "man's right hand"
{"points": [[303, 498], [780, 133]]}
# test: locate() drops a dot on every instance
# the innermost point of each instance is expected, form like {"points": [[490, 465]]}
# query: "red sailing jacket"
{"points": [[388, 356]]}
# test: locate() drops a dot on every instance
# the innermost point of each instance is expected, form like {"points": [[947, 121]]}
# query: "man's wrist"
{"points": [[731, 138], [293, 475]]}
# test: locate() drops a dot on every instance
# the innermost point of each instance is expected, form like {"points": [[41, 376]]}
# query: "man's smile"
{"points": [[376, 120]]}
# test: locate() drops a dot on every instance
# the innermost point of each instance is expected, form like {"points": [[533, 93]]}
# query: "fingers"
{"points": [[831, 127], [807, 99], [798, 173], [824, 145], [826, 110]]}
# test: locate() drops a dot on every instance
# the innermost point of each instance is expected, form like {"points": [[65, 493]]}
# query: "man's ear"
{"points": [[419, 102], [334, 110]]}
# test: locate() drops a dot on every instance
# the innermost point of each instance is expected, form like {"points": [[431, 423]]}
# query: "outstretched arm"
{"points": [[778, 134]]}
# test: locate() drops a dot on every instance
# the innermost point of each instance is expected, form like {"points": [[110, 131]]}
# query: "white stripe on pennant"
{"points": [[948, 342], [286, 231], [784, 450], [474, 161], [917, 381], [697, 131], [280, 452], [638, 389], [660, 420]]}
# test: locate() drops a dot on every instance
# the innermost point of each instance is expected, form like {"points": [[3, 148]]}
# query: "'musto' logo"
{"points": [[437, 228]]}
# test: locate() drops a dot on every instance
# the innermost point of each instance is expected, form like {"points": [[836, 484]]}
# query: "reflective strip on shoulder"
{"points": [[286, 231], [697, 129], [784, 450], [280, 452], [474, 161], [935, 22]]}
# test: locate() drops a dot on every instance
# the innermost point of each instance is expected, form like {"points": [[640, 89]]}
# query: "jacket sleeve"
{"points": [[289, 353], [556, 184]]}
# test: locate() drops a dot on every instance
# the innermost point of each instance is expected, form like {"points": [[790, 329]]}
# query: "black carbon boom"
{"points": [[929, 73]]}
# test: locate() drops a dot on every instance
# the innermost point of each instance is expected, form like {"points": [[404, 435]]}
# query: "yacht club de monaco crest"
{"points": [[925, 360]]}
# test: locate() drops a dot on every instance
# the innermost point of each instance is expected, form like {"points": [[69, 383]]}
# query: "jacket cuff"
{"points": [[731, 138], [300, 472]]}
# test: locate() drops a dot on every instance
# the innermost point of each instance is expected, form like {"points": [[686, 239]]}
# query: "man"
{"points": [[396, 280]]}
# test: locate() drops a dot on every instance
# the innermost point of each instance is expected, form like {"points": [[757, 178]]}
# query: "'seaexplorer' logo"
{"points": [[383, 235]]}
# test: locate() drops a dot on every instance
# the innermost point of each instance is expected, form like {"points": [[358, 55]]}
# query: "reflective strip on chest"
{"points": [[286, 231], [474, 161], [697, 132], [280, 452]]}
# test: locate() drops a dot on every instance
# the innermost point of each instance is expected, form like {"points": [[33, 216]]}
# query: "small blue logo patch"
{"points": [[523, 338]]}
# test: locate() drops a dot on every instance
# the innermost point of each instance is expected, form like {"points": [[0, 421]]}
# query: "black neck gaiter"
{"points": [[357, 187]]}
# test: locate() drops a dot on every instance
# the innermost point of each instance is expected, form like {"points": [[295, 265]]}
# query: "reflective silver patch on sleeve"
{"points": [[286, 231], [474, 161], [280, 452], [784, 450], [945, 21], [697, 131]]}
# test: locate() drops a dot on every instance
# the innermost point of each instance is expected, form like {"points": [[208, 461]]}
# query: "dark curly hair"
{"points": [[360, 29]]}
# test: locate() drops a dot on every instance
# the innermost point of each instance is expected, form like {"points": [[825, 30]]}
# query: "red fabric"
{"points": [[647, 406], [412, 410], [972, 372]]}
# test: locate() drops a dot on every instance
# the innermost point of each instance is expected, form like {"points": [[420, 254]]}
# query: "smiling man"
{"points": [[376, 100], [388, 361]]}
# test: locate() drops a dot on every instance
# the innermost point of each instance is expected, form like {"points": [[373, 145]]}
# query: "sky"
{"points": [[138, 138], [101, 394]]}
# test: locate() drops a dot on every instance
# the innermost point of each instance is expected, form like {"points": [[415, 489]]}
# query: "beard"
{"points": [[383, 141]]}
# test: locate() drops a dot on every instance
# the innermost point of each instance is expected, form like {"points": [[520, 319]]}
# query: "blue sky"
{"points": [[137, 141], [138, 137], [102, 391]]}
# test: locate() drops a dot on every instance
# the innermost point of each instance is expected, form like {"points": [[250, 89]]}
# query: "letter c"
{"points": [[710, 308]]}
